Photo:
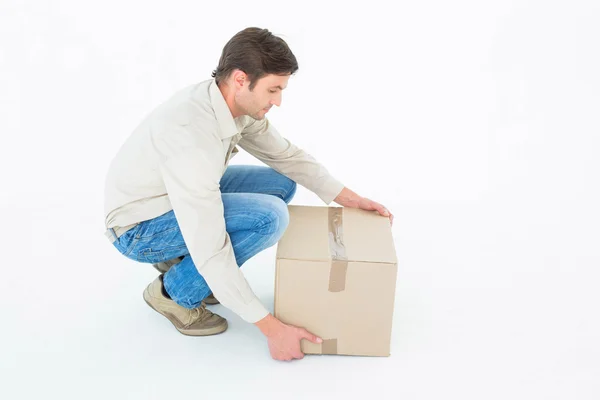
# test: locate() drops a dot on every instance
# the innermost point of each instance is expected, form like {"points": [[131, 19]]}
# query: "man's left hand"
{"points": [[348, 198], [370, 205]]}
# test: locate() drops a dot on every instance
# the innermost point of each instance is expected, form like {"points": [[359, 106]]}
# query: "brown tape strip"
{"points": [[339, 265], [337, 276], [329, 346]]}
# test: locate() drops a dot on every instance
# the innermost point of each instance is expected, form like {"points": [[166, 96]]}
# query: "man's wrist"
{"points": [[348, 198], [268, 324]]}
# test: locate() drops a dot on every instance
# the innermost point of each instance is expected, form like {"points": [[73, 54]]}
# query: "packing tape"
{"points": [[337, 250], [337, 276], [339, 265], [329, 346]]}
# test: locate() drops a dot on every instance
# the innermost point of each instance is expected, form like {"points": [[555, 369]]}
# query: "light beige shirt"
{"points": [[175, 159]]}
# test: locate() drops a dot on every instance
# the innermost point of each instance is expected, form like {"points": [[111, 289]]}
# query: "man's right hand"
{"points": [[284, 340]]}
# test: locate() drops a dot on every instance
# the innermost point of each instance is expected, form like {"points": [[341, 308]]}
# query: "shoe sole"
{"points": [[205, 332]]}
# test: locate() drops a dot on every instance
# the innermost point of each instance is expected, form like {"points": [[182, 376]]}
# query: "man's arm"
{"points": [[264, 142], [191, 169]]}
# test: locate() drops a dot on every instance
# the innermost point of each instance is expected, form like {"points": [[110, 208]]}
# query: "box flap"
{"points": [[368, 236], [306, 235], [364, 235]]}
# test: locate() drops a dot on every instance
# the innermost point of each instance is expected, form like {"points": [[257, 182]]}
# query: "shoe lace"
{"points": [[199, 314]]}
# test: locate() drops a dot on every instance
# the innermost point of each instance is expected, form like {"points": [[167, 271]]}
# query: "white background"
{"points": [[475, 122]]}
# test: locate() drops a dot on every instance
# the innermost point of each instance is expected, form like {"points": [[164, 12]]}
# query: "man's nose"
{"points": [[276, 101]]}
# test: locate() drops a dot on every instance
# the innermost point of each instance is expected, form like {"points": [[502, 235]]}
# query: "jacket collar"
{"points": [[227, 124]]}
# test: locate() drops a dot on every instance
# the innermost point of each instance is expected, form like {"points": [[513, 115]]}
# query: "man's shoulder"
{"points": [[187, 103], [198, 93]]}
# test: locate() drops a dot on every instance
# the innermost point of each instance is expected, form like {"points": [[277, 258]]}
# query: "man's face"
{"points": [[266, 93]]}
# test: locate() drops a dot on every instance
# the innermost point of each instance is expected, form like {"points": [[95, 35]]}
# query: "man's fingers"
{"points": [[382, 210], [310, 337]]}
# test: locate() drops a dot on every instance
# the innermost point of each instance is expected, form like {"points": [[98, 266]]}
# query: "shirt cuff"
{"points": [[330, 190], [253, 311]]}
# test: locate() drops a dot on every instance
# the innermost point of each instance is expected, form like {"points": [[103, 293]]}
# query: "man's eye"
{"points": [[272, 91]]}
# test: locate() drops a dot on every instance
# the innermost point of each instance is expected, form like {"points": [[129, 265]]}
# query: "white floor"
{"points": [[476, 123], [479, 314]]}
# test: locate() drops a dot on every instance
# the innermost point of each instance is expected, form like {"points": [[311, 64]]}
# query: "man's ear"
{"points": [[240, 78]]}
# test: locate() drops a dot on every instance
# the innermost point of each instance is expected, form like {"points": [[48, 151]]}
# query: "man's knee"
{"points": [[284, 187], [291, 191], [277, 218]]}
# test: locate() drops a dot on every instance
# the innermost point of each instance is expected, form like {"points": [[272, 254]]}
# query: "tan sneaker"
{"points": [[192, 322], [211, 299]]}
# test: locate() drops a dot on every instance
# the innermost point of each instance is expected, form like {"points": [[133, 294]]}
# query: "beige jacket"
{"points": [[175, 159]]}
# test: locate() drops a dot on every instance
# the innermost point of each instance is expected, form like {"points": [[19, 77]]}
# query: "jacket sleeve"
{"points": [[264, 142], [191, 165]]}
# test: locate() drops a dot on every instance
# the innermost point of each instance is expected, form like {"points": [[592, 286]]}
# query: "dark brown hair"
{"points": [[258, 53]]}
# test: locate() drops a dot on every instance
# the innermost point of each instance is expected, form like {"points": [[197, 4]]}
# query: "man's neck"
{"points": [[229, 97]]}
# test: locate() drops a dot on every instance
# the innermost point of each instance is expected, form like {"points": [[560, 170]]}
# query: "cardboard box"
{"points": [[336, 276]]}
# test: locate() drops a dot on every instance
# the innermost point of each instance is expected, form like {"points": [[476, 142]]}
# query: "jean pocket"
{"points": [[126, 246], [150, 256]]}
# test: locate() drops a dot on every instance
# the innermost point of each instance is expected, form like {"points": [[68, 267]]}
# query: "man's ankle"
{"points": [[164, 289]]}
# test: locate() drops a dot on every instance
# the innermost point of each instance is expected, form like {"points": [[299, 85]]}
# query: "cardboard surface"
{"points": [[344, 295]]}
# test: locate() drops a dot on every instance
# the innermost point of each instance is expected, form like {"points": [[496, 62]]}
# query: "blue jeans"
{"points": [[256, 216]]}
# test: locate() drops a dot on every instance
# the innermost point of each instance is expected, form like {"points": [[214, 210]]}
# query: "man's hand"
{"points": [[284, 340], [348, 198], [370, 205]]}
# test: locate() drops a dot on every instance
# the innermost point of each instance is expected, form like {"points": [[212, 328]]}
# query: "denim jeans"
{"points": [[255, 206]]}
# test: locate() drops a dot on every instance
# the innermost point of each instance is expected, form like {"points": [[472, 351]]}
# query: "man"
{"points": [[172, 201]]}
